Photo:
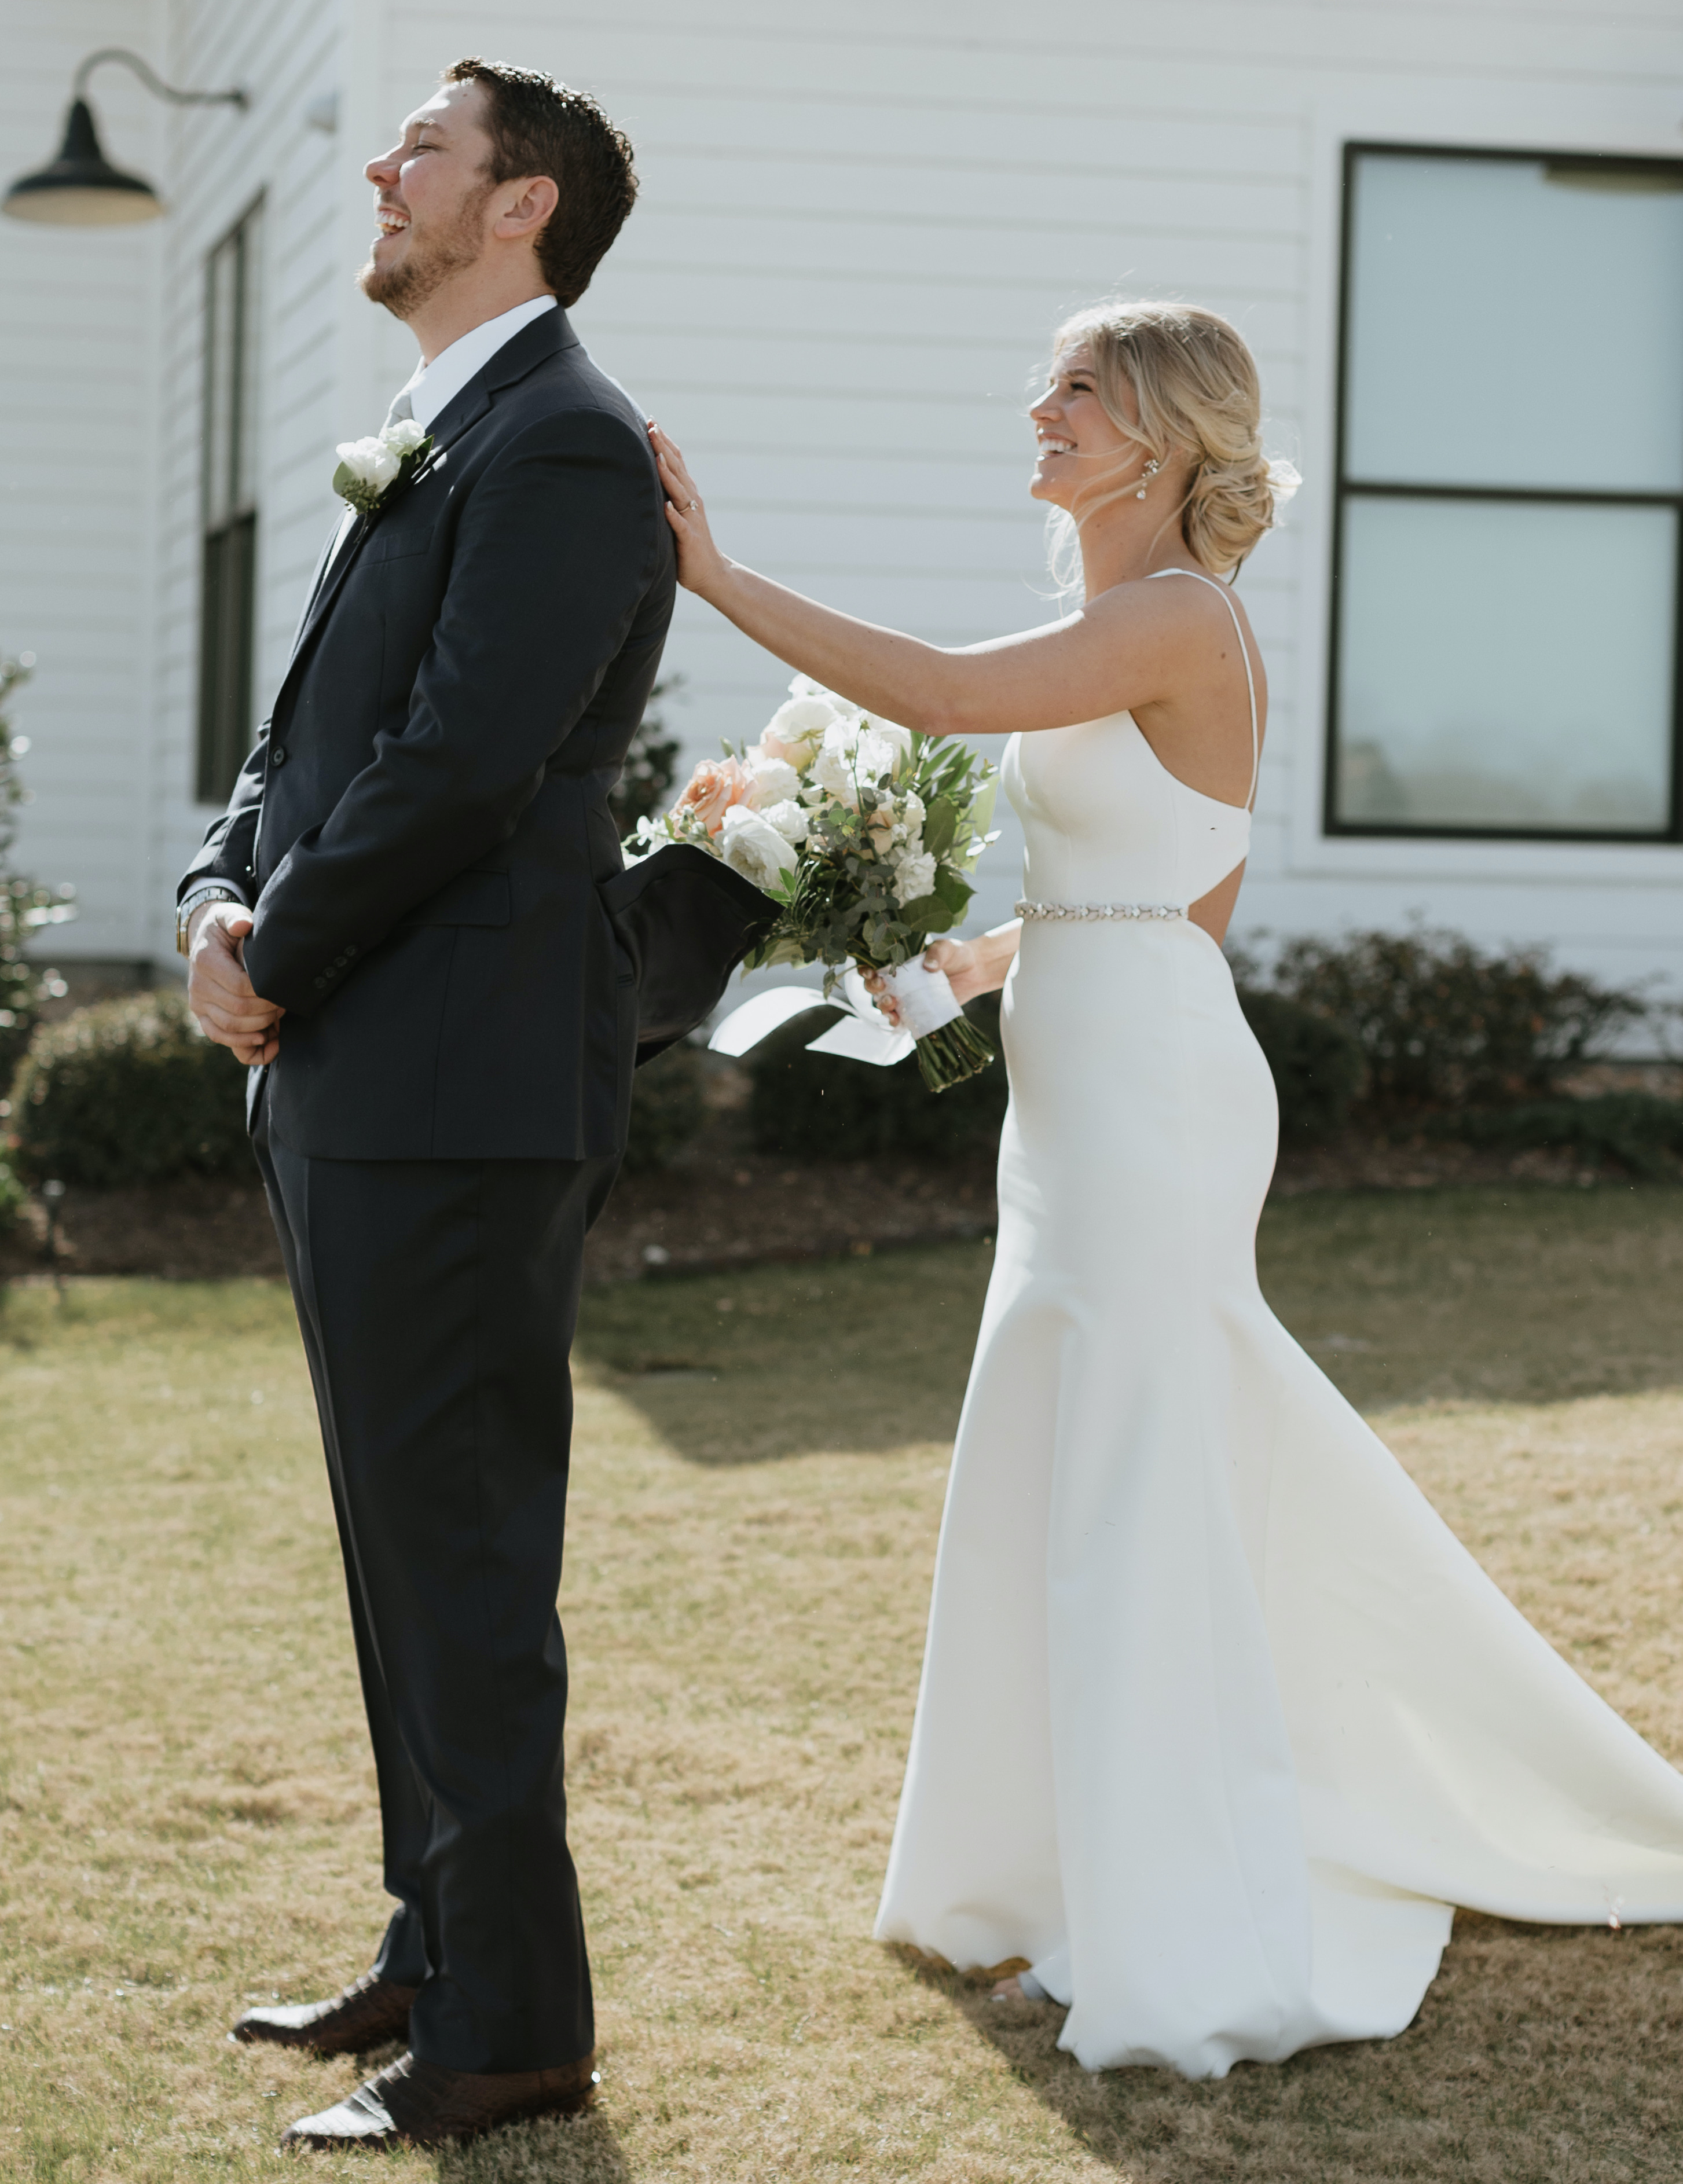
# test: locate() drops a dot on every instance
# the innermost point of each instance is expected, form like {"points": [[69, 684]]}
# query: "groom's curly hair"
{"points": [[538, 126]]}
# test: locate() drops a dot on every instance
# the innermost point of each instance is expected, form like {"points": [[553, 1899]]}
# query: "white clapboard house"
{"points": [[1451, 229]]}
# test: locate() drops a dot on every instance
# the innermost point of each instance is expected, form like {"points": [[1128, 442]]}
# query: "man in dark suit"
{"points": [[398, 923]]}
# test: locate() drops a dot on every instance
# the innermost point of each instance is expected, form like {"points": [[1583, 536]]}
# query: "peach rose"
{"points": [[715, 784]]}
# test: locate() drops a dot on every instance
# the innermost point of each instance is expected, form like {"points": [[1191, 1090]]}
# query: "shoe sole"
{"points": [[386, 2141]]}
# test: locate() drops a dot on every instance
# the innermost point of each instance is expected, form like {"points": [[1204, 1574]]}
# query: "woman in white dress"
{"points": [[1218, 1720]]}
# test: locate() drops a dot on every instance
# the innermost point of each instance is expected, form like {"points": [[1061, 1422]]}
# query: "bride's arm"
{"points": [[1120, 651]]}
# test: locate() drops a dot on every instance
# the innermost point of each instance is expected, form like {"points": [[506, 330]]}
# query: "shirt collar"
{"points": [[433, 387]]}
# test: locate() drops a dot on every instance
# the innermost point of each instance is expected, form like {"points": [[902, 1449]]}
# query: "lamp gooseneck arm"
{"points": [[154, 81]]}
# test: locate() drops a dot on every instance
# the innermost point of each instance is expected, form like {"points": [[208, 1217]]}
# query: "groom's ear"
{"points": [[527, 208]]}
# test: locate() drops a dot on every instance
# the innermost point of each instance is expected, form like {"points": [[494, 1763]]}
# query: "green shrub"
{"points": [[129, 1091], [822, 1106], [668, 1108], [13, 1197], [25, 909], [1317, 1064], [1441, 1024], [1642, 1132]]}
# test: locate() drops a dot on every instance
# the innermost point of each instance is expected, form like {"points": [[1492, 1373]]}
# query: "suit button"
{"points": [[321, 982], [277, 754]]}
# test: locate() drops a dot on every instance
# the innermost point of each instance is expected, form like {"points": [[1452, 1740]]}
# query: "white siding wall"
{"points": [[857, 229], [78, 473], [287, 54]]}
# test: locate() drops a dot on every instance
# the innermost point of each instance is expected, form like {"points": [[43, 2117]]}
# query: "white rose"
{"points": [[371, 462], [875, 755], [751, 845], [794, 731], [403, 436], [914, 878], [899, 738], [775, 780], [911, 817], [832, 770], [790, 820]]}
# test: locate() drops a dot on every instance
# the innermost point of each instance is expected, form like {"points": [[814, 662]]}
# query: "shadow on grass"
{"points": [[554, 2150], [1533, 1295], [1538, 2052], [861, 1354]]}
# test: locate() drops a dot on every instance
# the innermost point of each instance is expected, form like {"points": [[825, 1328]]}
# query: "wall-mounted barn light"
{"points": [[81, 188]]}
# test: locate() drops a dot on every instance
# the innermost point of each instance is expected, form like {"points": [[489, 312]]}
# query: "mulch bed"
{"points": [[720, 1205]]}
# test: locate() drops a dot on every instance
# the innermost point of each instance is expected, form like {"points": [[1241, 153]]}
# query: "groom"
{"points": [[397, 922]]}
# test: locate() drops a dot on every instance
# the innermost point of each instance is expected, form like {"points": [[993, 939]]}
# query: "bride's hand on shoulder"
{"points": [[959, 958], [700, 563]]}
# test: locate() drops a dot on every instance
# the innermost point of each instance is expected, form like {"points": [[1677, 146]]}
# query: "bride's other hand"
{"points": [[700, 563], [972, 967], [959, 958]]}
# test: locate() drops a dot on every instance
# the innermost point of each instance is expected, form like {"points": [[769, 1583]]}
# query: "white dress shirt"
{"points": [[433, 387]]}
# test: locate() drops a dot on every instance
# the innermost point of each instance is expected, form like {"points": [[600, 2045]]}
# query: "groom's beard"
{"points": [[429, 261]]}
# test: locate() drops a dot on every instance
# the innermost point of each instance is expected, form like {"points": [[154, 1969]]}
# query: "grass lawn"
{"points": [[187, 1818]]}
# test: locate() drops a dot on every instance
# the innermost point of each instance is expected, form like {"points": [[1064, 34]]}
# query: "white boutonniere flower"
{"points": [[369, 469]]}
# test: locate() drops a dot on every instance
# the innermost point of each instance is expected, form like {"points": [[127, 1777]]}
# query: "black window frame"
{"points": [[1345, 486], [228, 534]]}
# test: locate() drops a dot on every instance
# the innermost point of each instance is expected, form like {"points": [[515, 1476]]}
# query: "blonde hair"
{"points": [[1195, 385]]}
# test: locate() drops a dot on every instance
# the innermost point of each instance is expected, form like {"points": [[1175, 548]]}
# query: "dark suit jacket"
{"points": [[424, 822]]}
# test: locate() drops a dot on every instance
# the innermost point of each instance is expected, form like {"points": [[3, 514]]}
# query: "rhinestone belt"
{"points": [[1085, 912]]}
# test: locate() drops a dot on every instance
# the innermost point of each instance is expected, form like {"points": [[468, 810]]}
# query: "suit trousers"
{"points": [[437, 1300]]}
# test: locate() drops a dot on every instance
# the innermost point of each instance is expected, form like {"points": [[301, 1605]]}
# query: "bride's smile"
{"points": [[1078, 447]]}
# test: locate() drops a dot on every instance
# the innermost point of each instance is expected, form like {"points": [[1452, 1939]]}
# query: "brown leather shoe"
{"points": [[365, 2014], [412, 2104]]}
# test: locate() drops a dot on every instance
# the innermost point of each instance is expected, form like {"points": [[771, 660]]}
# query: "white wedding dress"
{"points": [[1218, 1719]]}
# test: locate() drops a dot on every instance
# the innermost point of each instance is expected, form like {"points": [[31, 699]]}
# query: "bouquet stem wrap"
{"points": [[950, 1048]]}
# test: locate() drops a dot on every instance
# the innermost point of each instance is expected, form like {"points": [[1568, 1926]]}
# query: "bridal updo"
{"points": [[1194, 384]]}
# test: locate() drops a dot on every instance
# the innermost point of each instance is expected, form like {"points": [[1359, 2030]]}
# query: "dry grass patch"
{"points": [[186, 1816]]}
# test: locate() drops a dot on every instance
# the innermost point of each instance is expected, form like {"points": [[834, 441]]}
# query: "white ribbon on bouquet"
{"points": [[926, 1003]]}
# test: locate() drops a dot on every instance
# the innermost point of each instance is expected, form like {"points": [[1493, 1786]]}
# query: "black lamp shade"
{"points": [[81, 188]]}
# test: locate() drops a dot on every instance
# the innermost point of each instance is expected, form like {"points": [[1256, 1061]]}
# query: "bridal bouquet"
{"points": [[866, 835]]}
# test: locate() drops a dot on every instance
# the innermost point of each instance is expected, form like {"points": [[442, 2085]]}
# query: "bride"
{"points": [[1217, 1719]]}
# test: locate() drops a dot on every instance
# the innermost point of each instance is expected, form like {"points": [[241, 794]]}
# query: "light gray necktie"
{"points": [[401, 407]]}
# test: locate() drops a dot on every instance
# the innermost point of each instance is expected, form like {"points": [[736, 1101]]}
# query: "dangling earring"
{"points": [[1146, 476]]}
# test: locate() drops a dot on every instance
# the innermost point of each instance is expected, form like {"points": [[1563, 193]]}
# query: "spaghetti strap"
{"points": [[1245, 655]]}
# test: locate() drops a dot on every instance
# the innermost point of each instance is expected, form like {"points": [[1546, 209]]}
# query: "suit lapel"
{"points": [[545, 336]]}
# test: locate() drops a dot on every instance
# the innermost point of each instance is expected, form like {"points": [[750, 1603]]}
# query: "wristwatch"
{"points": [[195, 899]]}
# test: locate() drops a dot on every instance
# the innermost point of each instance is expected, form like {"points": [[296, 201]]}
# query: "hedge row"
{"points": [[130, 1091], [1419, 1031]]}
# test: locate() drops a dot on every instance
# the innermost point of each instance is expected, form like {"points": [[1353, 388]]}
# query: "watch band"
{"points": [[195, 899]]}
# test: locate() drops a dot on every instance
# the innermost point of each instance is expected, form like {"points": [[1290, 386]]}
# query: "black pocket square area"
{"points": [[685, 921]]}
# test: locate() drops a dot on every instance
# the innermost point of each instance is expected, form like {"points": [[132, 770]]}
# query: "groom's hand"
{"points": [[218, 992]]}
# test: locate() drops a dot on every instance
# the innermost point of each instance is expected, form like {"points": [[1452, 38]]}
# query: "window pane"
{"points": [[243, 454], [1515, 322], [1506, 664], [221, 301]]}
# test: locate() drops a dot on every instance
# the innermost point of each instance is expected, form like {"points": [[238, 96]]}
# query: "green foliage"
{"points": [[838, 904], [651, 766], [668, 1108], [1640, 1132], [13, 1197], [1317, 1064], [129, 1091], [1440, 1023], [25, 908], [822, 1106]]}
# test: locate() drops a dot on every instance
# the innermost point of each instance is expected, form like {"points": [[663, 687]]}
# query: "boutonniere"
{"points": [[369, 470]]}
